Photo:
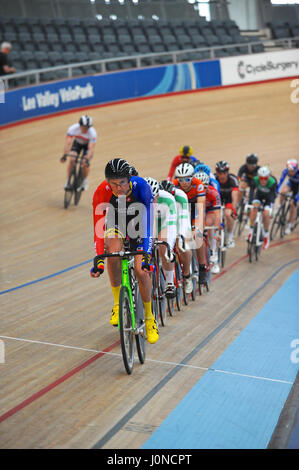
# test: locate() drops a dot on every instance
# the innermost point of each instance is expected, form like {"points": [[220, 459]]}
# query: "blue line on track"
{"points": [[237, 402], [46, 277]]}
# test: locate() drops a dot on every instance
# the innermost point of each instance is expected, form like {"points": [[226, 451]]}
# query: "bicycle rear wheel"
{"points": [[161, 296], [194, 271], [178, 284], [140, 324], [68, 193], [126, 330]]}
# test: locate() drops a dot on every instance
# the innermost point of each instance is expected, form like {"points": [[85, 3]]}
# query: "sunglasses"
{"points": [[263, 178], [187, 179]]}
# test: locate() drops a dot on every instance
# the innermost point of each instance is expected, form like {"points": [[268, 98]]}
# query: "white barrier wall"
{"points": [[259, 67]]}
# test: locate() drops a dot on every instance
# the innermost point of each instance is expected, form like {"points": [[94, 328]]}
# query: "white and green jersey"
{"points": [[166, 217], [183, 215]]}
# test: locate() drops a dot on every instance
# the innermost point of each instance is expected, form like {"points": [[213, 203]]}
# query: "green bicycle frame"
{"points": [[125, 281]]}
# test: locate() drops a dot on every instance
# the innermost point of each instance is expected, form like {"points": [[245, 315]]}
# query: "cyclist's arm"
{"points": [[168, 211], [282, 178], [68, 143], [145, 196], [100, 204], [173, 166], [90, 151]]}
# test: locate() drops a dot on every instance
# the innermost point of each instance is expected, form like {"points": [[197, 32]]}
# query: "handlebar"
{"points": [[116, 254], [160, 242]]}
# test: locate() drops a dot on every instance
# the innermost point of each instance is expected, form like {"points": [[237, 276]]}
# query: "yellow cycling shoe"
{"points": [[151, 330], [114, 315]]}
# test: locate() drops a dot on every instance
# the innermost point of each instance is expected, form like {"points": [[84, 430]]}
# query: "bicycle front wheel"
{"points": [[126, 329], [68, 193], [275, 225], [79, 181]]}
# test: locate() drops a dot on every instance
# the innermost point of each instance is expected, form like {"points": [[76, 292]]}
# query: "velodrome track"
{"points": [[63, 384]]}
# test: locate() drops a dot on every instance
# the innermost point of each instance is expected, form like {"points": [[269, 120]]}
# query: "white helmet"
{"points": [[292, 164], [202, 176], [184, 169], [153, 184], [85, 121], [264, 172]]}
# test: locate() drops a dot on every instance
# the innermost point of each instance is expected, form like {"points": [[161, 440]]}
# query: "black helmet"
{"points": [[85, 121], [222, 166], [252, 159], [118, 168], [167, 186], [134, 172]]}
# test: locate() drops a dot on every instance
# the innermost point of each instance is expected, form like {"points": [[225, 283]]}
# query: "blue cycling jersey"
{"points": [[292, 179]]}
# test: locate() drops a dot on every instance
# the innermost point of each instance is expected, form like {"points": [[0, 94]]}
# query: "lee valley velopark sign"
{"points": [[259, 67]]}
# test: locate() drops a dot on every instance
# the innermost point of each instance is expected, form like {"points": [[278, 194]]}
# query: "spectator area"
{"points": [[47, 42]]}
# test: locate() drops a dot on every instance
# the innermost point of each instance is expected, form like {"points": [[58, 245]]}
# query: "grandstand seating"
{"points": [[45, 42]]}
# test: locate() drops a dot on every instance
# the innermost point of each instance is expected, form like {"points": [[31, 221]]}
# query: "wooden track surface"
{"points": [[55, 329]]}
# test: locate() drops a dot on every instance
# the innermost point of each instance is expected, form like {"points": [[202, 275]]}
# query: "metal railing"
{"points": [[33, 77]]}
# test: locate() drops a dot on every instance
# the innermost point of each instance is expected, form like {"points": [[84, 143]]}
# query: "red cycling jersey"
{"points": [[213, 201], [197, 190]]}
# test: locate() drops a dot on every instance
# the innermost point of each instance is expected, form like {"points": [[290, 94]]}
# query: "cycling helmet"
{"points": [[203, 177], [263, 172], [118, 168], [292, 164], [222, 166], [85, 121], [133, 171], [154, 185], [186, 151], [167, 186], [203, 167], [252, 159], [184, 169]]}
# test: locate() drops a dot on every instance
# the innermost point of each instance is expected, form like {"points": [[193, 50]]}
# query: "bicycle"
{"points": [[223, 240], [75, 180], [131, 322], [158, 281], [181, 294], [257, 238], [281, 217], [242, 214]]}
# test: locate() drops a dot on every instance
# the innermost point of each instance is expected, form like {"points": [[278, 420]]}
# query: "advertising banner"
{"points": [[259, 67], [40, 100]]}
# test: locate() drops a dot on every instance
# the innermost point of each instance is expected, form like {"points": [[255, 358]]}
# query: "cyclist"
{"points": [[81, 136], [115, 203], [229, 189], [264, 193], [205, 168], [185, 156], [292, 172], [183, 230], [165, 220], [196, 194], [246, 174], [212, 218]]}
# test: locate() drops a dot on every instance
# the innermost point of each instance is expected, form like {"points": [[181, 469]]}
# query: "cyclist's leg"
{"points": [[295, 196], [145, 288], [266, 222], [114, 242], [242, 189], [252, 217], [211, 220], [229, 224], [168, 267]]}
